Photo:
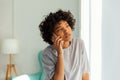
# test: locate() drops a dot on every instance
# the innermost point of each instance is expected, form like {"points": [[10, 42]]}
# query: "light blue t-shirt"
{"points": [[75, 61]]}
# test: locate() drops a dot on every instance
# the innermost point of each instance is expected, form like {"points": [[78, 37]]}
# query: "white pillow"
{"points": [[22, 77]]}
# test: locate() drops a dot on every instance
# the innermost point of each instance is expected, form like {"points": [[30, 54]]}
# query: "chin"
{"points": [[68, 39]]}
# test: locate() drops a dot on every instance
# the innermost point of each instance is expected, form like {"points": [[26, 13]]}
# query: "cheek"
{"points": [[60, 34], [70, 30]]}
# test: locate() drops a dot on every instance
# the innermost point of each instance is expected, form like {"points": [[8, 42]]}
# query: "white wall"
{"points": [[5, 30], [111, 40], [27, 16], [5, 18]]}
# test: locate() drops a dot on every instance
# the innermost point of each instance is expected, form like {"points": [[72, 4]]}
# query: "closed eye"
{"points": [[59, 29], [67, 25]]}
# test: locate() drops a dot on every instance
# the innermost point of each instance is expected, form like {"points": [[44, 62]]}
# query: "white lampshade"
{"points": [[22, 77], [9, 46]]}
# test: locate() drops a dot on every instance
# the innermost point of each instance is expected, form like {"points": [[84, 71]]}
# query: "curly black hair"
{"points": [[46, 27]]}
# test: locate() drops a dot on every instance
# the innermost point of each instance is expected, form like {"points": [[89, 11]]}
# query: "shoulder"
{"points": [[78, 41], [49, 51]]}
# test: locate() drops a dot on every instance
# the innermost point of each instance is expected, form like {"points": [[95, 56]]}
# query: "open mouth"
{"points": [[67, 35]]}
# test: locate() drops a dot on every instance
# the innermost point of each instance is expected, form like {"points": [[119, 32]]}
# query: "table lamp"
{"points": [[10, 46]]}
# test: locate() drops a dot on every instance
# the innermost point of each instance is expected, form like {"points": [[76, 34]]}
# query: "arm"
{"points": [[59, 69], [85, 66], [85, 76]]}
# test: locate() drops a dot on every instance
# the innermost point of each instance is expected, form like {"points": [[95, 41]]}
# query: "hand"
{"points": [[58, 43]]}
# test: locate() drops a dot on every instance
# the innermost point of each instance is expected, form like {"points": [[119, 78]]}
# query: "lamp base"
{"points": [[9, 70]]}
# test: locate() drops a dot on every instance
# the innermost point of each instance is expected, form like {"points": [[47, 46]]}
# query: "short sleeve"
{"points": [[48, 65], [85, 62]]}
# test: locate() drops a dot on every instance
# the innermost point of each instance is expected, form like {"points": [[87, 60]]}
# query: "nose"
{"points": [[65, 29]]}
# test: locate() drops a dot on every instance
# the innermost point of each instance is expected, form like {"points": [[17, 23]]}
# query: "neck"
{"points": [[66, 44]]}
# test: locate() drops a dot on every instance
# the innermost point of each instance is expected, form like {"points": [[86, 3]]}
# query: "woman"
{"points": [[65, 58]]}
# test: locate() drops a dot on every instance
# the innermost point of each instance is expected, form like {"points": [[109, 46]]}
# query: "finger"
{"points": [[56, 40], [54, 35], [53, 39], [59, 41]]}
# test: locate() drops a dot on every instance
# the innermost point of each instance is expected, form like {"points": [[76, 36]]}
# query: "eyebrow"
{"points": [[57, 27]]}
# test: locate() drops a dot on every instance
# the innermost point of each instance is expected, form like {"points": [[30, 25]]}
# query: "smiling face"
{"points": [[63, 30]]}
